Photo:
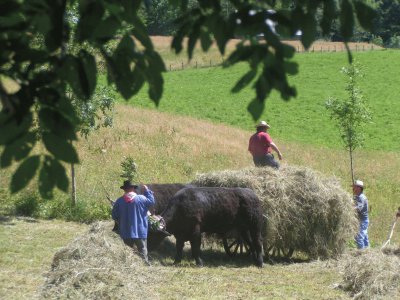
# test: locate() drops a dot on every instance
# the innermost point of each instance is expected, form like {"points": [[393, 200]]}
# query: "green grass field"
{"points": [[205, 94]]}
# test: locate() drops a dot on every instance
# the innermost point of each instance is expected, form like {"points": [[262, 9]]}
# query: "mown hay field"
{"points": [[98, 265]]}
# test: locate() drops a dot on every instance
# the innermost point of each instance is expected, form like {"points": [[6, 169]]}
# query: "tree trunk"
{"points": [[351, 165], [73, 182], [64, 49]]}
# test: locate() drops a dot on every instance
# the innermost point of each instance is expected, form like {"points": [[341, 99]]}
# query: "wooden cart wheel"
{"points": [[235, 245], [277, 251]]}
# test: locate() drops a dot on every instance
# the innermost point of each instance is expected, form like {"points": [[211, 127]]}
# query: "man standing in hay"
{"points": [[130, 211], [261, 146], [362, 210]]}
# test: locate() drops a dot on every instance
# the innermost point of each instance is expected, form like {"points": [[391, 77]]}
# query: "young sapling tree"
{"points": [[351, 113]]}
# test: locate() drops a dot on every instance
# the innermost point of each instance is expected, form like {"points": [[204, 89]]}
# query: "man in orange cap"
{"points": [[261, 146]]}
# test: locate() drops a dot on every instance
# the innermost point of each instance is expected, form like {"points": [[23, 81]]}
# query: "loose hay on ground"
{"points": [[98, 265], [372, 273], [305, 210]]}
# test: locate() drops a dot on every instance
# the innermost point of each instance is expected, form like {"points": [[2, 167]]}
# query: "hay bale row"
{"points": [[98, 265], [372, 274], [305, 210]]}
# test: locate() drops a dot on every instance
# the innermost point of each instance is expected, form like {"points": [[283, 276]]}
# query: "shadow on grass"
{"points": [[212, 257], [10, 219], [6, 220]]}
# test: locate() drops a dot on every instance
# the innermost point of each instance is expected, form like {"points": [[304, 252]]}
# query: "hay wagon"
{"points": [[234, 245], [305, 211]]}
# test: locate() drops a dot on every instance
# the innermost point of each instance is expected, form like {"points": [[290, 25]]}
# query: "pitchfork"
{"points": [[393, 226]]}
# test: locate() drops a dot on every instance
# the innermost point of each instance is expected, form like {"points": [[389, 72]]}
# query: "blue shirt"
{"points": [[132, 216], [362, 206]]}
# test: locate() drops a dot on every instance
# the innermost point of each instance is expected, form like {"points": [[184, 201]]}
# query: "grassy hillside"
{"points": [[170, 148], [205, 93]]}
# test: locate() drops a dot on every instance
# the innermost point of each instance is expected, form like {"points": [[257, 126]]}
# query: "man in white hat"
{"points": [[261, 146], [362, 210]]}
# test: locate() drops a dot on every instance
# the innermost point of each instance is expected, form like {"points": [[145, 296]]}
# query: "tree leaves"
{"points": [[52, 174], [24, 174], [57, 123], [60, 148], [244, 81], [365, 14], [87, 73], [81, 73], [18, 149], [131, 68], [346, 19], [308, 29], [256, 108], [329, 13]]}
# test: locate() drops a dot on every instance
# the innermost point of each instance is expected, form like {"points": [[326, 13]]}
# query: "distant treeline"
{"points": [[160, 18]]}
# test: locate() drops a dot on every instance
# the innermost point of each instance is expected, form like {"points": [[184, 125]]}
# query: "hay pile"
{"points": [[305, 210], [98, 265], [372, 274]]}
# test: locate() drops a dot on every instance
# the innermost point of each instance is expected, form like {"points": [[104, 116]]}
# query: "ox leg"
{"points": [[180, 242], [245, 235], [195, 244], [256, 242]]}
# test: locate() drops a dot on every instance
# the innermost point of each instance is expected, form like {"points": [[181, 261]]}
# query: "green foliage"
{"points": [[35, 37], [83, 211], [27, 205], [394, 41], [32, 204], [129, 169], [350, 113], [102, 101], [377, 40], [387, 23], [160, 18]]}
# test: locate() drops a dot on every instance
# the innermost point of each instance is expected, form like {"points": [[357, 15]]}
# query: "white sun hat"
{"points": [[263, 124], [359, 183]]}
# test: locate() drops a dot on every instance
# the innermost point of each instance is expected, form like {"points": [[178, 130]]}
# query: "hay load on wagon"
{"points": [[305, 210]]}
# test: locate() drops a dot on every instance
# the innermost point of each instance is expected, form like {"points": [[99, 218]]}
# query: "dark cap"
{"points": [[128, 185]]}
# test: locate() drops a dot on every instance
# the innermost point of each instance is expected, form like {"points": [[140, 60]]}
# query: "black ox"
{"points": [[163, 192], [194, 210]]}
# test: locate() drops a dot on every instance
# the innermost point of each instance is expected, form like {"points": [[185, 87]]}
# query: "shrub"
{"points": [[377, 40], [27, 204], [82, 211], [394, 42]]}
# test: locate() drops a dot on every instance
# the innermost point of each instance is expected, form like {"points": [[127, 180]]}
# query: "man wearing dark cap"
{"points": [[130, 211], [261, 146]]}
